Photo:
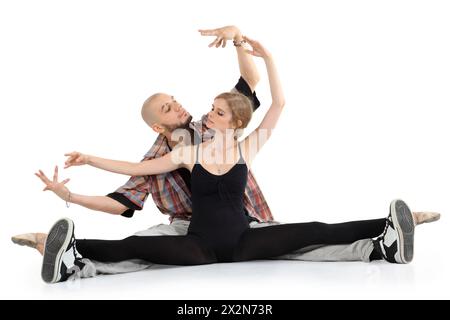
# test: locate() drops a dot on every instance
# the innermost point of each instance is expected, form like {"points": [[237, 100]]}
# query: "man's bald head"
{"points": [[149, 109], [163, 113]]}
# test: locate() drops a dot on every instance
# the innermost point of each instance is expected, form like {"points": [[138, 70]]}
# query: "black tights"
{"points": [[257, 243]]}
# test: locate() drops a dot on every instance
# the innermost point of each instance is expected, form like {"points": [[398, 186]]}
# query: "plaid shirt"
{"points": [[170, 193]]}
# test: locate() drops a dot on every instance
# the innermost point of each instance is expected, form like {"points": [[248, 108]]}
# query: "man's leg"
{"points": [[357, 251]]}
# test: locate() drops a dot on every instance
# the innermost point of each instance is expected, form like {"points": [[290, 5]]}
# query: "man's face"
{"points": [[171, 115]]}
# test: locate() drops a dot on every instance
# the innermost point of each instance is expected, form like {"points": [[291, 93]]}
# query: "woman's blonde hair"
{"points": [[240, 106]]}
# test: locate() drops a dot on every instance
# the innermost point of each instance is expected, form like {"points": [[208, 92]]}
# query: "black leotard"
{"points": [[218, 207]]}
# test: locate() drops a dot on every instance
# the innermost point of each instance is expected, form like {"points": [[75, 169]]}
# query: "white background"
{"points": [[366, 121]]}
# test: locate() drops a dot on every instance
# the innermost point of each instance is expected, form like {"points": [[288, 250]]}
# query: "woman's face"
{"points": [[220, 116]]}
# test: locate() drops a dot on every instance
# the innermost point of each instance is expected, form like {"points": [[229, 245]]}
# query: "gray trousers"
{"points": [[356, 251]]}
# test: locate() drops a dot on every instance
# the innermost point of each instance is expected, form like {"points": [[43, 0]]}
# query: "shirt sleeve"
{"points": [[132, 194], [243, 87], [240, 87], [121, 198]]}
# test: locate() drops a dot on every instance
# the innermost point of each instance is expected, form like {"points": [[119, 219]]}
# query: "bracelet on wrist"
{"points": [[239, 43], [69, 198]]}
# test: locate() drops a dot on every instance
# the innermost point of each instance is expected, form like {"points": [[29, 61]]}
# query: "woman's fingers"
{"points": [[65, 181], [70, 154], [247, 39], [253, 53], [255, 44], [72, 158]]}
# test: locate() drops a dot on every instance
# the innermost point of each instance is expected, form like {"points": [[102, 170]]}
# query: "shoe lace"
{"points": [[76, 254], [74, 272], [386, 226]]}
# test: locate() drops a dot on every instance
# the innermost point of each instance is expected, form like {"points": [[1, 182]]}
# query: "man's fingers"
{"points": [[219, 43], [40, 177], [224, 43], [65, 181], [208, 32], [214, 42]]}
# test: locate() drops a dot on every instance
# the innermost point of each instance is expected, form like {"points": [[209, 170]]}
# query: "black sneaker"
{"points": [[396, 243], [61, 259]]}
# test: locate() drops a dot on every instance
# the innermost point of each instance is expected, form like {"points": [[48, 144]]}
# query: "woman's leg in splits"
{"points": [[63, 254], [273, 241], [170, 250]]}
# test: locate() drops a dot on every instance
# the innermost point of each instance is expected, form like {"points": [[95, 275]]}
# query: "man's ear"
{"points": [[158, 128]]}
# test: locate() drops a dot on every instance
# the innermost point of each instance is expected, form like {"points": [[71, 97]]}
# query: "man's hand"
{"points": [[76, 159], [59, 188], [222, 35]]}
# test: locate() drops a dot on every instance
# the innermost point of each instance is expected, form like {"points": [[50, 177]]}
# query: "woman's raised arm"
{"points": [[257, 138]]}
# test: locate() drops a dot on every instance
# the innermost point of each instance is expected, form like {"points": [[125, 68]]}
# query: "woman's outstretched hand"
{"points": [[75, 159], [257, 48], [59, 188]]}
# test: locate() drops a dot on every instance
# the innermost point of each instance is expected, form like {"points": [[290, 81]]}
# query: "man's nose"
{"points": [[177, 107]]}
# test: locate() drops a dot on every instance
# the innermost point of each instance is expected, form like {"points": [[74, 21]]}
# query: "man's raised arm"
{"points": [[247, 66]]}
